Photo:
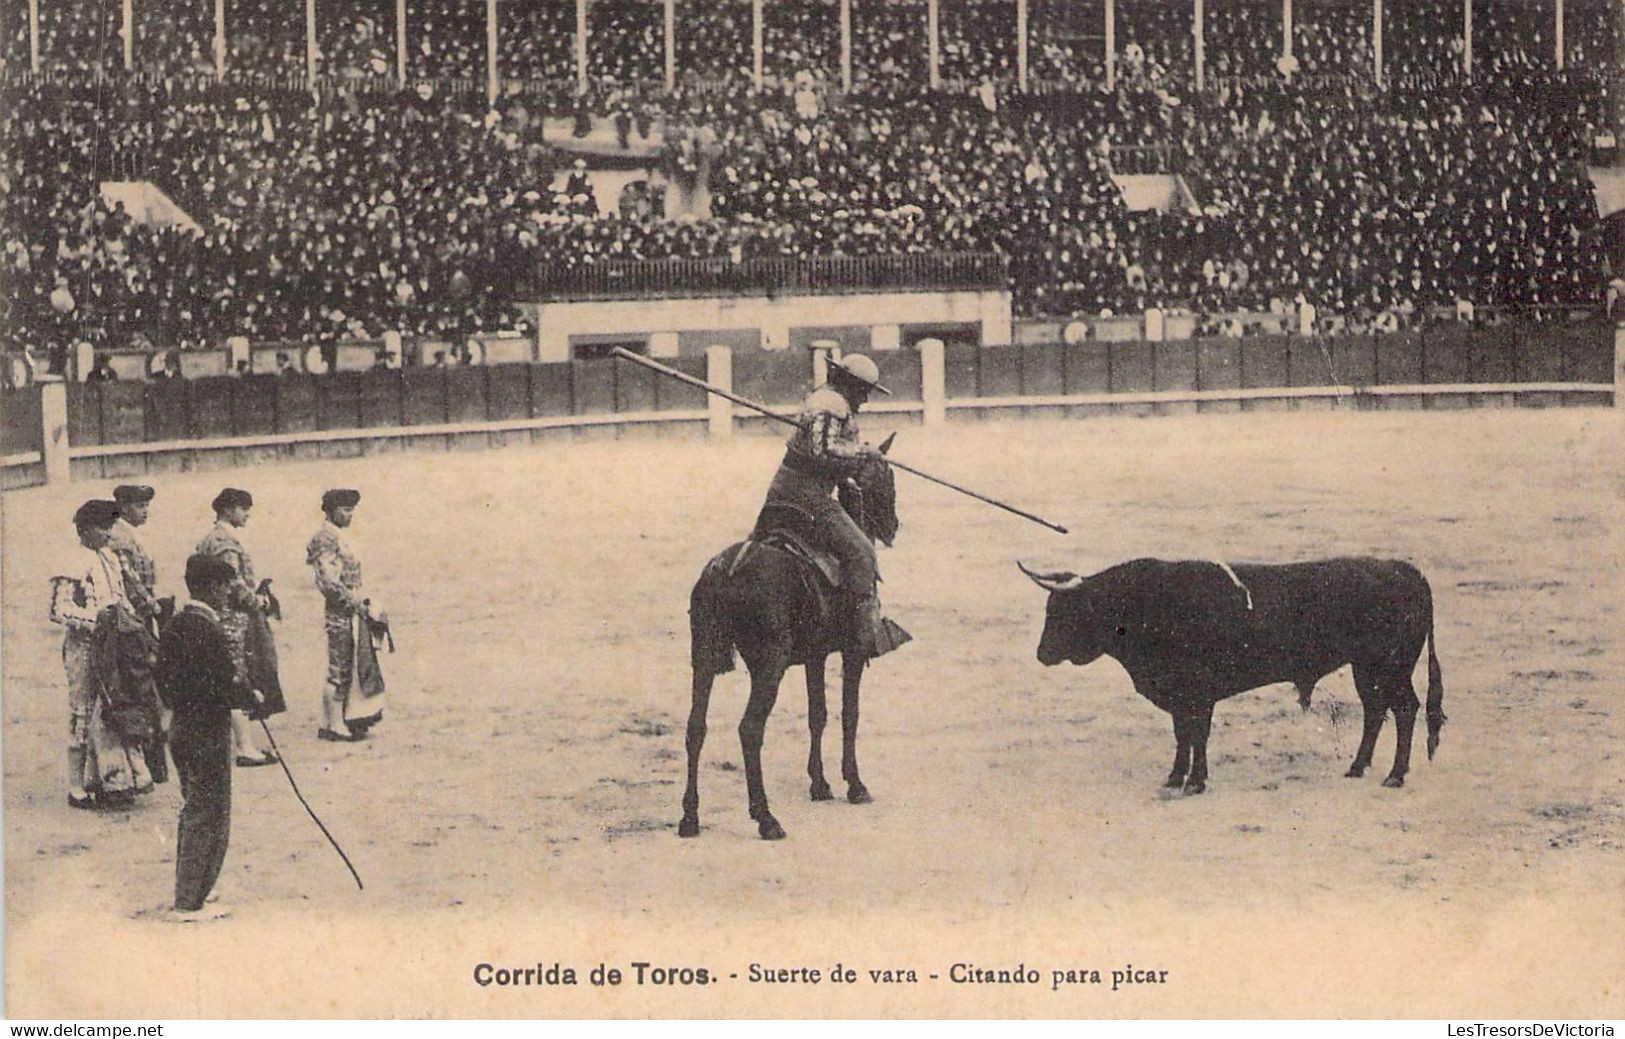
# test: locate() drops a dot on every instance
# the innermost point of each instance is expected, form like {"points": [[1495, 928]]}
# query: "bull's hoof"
{"points": [[1195, 786], [1354, 772], [689, 827], [769, 828], [1394, 781], [1175, 781], [858, 794], [822, 792]]}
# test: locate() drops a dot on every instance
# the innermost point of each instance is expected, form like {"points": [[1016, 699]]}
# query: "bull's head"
{"points": [[1070, 628]]}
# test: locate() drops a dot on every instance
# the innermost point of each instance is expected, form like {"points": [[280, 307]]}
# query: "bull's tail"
{"points": [[1435, 709]]}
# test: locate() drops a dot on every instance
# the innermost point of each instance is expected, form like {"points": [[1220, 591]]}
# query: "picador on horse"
{"points": [[816, 483], [801, 587]]}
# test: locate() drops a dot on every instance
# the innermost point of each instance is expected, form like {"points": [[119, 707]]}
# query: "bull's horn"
{"points": [[885, 445], [1059, 581]]}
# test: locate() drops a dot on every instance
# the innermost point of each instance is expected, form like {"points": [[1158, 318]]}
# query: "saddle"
{"points": [[786, 528], [789, 529]]}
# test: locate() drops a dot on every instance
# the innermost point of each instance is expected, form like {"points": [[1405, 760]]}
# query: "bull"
{"points": [[1193, 633]]}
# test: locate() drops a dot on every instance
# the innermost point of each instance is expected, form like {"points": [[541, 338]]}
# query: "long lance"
{"points": [[790, 420]]}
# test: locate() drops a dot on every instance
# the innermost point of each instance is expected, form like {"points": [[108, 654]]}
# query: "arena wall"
{"points": [[774, 322], [124, 428]]}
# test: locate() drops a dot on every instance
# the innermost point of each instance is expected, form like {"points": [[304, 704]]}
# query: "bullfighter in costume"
{"points": [[140, 573], [352, 698], [106, 731], [253, 648]]}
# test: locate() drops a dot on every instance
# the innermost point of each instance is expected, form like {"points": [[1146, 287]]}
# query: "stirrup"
{"points": [[876, 633], [890, 636]]}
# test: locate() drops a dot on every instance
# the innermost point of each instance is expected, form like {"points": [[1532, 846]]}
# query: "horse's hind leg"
{"points": [[690, 826], [817, 718], [764, 691], [852, 665]]}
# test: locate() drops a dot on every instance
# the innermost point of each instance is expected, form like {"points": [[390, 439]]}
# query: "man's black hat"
{"points": [[204, 570]]}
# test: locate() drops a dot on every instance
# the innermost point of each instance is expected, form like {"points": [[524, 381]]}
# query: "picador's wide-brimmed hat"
{"points": [[861, 368]]}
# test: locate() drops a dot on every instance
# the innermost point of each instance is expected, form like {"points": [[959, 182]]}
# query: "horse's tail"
{"points": [[711, 638], [1435, 708]]}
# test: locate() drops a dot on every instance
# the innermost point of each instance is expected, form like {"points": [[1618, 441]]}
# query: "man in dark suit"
{"points": [[200, 685]]}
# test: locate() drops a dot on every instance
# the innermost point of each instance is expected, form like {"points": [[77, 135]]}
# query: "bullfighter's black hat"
{"points": [[133, 494], [340, 498], [231, 498], [98, 513]]}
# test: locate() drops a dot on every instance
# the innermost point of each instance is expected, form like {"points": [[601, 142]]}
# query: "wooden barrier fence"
{"points": [[54, 430]]}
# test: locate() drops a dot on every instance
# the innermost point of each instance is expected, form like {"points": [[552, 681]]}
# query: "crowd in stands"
{"points": [[446, 39], [349, 213]]}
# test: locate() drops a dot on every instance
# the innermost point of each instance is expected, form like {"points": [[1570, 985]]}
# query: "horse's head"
{"points": [[874, 504]]}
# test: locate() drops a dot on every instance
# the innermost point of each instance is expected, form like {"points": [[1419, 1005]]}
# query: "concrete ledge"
{"points": [[389, 433], [1276, 394], [17, 475]]}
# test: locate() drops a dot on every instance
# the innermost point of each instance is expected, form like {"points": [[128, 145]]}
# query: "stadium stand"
{"points": [[357, 206]]}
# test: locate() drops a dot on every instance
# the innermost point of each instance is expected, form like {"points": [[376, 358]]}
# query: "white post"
{"points": [[33, 36], [1467, 38], [128, 32], [933, 47], [53, 411], [719, 372], [311, 72], [756, 44], [581, 45], [1199, 31], [821, 351], [1286, 28], [933, 381], [219, 39], [1111, 44], [400, 42], [671, 45], [1021, 44], [493, 72], [1557, 47], [1376, 40], [846, 46]]}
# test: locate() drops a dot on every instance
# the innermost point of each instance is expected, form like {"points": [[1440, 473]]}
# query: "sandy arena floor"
{"points": [[519, 803]]}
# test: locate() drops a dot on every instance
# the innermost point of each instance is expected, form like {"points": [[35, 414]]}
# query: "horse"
{"points": [[765, 601]]}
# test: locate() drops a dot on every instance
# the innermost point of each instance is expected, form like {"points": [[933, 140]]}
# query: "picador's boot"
{"points": [[876, 634]]}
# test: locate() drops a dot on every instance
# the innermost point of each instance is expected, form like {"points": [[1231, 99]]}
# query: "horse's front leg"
{"points": [[851, 679], [817, 718]]}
